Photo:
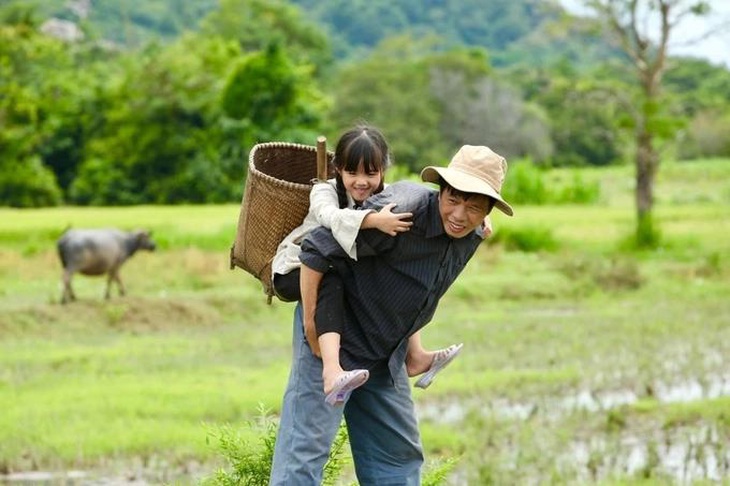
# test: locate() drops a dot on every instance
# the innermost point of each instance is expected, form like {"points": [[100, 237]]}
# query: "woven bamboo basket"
{"points": [[275, 201]]}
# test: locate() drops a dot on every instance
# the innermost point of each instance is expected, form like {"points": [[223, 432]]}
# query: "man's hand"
{"points": [[309, 280], [310, 332]]}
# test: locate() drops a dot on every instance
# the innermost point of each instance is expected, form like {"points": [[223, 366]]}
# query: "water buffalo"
{"points": [[98, 252]]}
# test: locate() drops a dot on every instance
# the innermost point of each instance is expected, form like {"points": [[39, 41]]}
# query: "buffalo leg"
{"points": [[68, 292]]}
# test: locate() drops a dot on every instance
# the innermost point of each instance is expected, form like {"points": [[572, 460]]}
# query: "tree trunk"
{"points": [[647, 161], [646, 164]]}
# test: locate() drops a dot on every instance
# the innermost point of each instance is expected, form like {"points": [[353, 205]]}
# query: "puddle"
{"points": [[68, 478], [683, 454], [453, 412], [43, 477], [135, 476]]}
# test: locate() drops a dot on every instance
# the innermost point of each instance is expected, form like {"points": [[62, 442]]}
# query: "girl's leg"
{"points": [[329, 346], [418, 360], [329, 318], [427, 363]]}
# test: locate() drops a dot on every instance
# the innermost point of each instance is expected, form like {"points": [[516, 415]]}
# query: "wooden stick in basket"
{"points": [[321, 158]]}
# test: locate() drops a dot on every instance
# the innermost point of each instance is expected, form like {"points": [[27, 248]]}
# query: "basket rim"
{"points": [[288, 184]]}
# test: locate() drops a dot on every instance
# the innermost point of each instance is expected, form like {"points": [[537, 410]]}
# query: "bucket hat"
{"points": [[476, 169]]}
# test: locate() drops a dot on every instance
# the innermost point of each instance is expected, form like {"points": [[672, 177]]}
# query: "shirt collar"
{"points": [[434, 226], [351, 203]]}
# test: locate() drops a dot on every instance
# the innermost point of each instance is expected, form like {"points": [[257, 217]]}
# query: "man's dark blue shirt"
{"points": [[393, 288]]}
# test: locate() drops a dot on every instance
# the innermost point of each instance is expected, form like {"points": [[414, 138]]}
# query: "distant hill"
{"points": [[127, 22], [512, 31], [496, 25]]}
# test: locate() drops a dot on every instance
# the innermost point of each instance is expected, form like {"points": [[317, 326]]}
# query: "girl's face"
{"points": [[360, 184]]}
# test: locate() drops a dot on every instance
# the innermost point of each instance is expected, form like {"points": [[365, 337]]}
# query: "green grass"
{"points": [[141, 379]]}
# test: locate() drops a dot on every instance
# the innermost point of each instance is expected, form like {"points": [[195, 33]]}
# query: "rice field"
{"points": [[584, 363]]}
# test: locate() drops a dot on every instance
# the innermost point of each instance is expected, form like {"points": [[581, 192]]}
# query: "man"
{"points": [[391, 291]]}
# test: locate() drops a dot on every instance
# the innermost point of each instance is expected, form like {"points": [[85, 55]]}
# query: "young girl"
{"points": [[361, 157]]}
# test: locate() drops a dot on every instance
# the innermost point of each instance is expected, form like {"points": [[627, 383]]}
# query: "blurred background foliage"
{"points": [[160, 101]]}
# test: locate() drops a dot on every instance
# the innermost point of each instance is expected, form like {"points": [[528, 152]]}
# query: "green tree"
{"points": [[582, 125], [702, 93], [642, 29], [257, 24], [262, 89], [390, 88], [51, 89], [162, 136], [273, 98], [430, 101], [698, 84], [26, 119], [180, 121], [479, 108]]}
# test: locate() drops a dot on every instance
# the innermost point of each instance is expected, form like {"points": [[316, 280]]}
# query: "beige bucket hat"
{"points": [[474, 168]]}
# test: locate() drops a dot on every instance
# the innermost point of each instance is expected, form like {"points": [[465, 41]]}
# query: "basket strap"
{"points": [[321, 158]]}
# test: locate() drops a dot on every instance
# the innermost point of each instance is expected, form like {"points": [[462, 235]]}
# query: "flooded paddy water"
{"points": [[589, 436], [127, 473]]}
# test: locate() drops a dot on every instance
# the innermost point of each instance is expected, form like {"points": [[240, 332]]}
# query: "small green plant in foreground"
{"points": [[250, 463]]}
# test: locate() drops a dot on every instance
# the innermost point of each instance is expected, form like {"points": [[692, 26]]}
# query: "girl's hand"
{"points": [[387, 221], [486, 228]]}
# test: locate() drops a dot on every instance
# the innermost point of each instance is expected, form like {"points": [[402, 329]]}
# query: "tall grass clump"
{"points": [[525, 185], [529, 184], [647, 236], [526, 239], [578, 191]]}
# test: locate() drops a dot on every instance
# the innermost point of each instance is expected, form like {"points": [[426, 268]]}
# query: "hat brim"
{"points": [[465, 183]]}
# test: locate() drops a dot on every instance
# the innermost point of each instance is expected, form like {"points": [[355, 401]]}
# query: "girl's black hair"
{"points": [[361, 144]]}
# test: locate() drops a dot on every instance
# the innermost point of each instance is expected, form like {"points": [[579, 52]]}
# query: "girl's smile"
{"points": [[360, 184]]}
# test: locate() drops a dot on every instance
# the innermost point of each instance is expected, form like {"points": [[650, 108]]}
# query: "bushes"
{"points": [[706, 136], [528, 184], [528, 240], [28, 183]]}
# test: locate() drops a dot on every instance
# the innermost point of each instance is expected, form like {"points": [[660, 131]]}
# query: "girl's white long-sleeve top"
{"points": [[324, 210]]}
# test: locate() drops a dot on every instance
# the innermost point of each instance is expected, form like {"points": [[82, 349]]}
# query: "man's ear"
{"points": [[492, 203]]}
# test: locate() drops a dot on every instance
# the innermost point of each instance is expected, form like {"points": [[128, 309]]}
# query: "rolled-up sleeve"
{"points": [[318, 248]]}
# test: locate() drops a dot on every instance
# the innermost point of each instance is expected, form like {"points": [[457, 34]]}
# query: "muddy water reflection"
{"points": [[556, 408], [682, 453], [685, 455], [127, 474]]}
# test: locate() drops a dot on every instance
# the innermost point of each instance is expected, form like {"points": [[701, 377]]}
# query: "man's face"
{"points": [[462, 216]]}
